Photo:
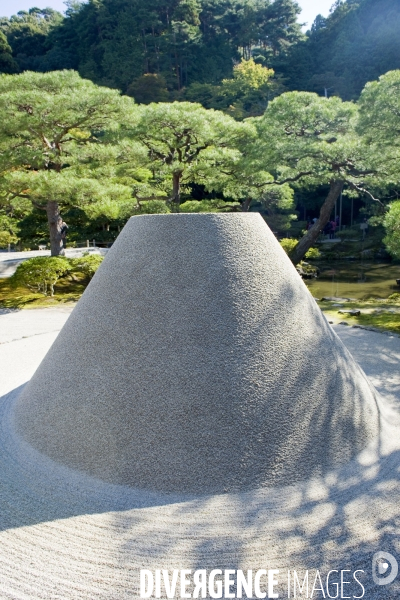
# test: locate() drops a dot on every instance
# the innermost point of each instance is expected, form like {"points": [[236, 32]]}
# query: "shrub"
{"points": [[153, 207], [7, 238], [392, 226], [288, 244], [86, 264], [198, 206], [313, 254], [350, 234], [40, 274]]}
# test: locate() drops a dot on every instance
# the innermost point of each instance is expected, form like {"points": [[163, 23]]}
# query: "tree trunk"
{"points": [[176, 190], [246, 205], [312, 234], [54, 221]]}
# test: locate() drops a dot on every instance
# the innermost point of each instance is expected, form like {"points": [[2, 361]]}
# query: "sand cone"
{"points": [[197, 361]]}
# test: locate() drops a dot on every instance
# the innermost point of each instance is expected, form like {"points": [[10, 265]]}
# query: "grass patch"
{"points": [[20, 297], [380, 314]]}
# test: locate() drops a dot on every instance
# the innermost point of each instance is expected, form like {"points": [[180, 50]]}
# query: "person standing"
{"points": [[332, 233], [327, 229], [364, 228], [64, 231]]}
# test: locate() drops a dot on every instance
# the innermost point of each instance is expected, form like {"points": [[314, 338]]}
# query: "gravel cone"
{"points": [[197, 362]]}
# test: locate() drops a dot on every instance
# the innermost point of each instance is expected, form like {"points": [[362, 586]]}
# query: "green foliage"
{"points": [[117, 42], [350, 234], [33, 228], [186, 143], [245, 95], [310, 141], [153, 207], [306, 141], [378, 124], [28, 35], [85, 149], [355, 44], [8, 230], [184, 49], [7, 238], [86, 264], [379, 106], [289, 244], [7, 63], [106, 210], [248, 74], [392, 226], [149, 87], [51, 150], [208, 206], [48, 119], [304, 136], [41, 273], [313, 254]]}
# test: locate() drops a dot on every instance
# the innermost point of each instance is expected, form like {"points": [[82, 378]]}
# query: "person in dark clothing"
{"points": [[64, 231], [327, 228]]}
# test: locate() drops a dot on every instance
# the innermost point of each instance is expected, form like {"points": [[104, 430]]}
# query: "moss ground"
{"points": [[383, 315], [21, 297]]}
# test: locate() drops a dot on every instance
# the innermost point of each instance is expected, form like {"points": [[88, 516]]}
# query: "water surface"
{"points": [[361, 280]]}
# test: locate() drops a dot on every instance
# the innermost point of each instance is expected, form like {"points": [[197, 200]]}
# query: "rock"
{"points": [[336, 299], [354, 312], [308, 273], [343, 323]]}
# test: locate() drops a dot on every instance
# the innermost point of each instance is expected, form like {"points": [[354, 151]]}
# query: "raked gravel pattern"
{"points": [[215, 372], [64, 535]]}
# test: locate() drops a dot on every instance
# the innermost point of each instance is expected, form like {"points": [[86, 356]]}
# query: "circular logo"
{"points": [[381, 562]]}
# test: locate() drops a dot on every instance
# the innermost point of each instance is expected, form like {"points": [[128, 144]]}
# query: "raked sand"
{"points": [[93, 543], [65, 535]]}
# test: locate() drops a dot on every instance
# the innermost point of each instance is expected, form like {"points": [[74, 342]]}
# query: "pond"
{"points": [[356, 279]]}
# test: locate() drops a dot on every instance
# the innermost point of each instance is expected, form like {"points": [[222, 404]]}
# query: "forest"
{"points": [[122, 107], [185, 49]]}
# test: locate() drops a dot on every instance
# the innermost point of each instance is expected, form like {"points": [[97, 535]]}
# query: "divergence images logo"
{"points": [[380, 565]]}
